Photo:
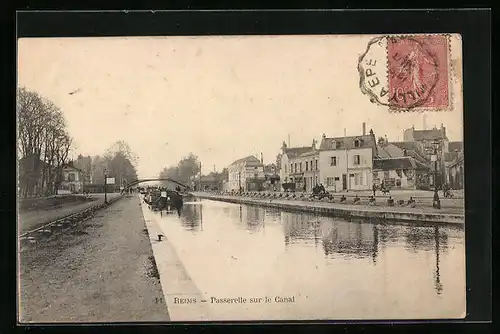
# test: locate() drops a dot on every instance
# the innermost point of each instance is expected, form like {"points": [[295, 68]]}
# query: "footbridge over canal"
{"points": [[136, 182]]}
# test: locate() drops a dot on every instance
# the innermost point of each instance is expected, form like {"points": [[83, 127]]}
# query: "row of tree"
{"points": [[184, 171], [43, 143], [118, 162], [44, 146]]}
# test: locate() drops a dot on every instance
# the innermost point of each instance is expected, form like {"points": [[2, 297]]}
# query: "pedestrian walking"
{"points": [[374, 188]]}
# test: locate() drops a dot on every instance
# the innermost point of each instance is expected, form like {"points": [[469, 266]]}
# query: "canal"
{"points": [[313, 267]]}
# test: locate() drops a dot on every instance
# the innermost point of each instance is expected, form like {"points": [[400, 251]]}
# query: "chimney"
{"points": [[386, 141], [261, 158], [364, 129], [324, 136]]}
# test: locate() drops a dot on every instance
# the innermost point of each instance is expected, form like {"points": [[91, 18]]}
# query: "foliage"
{"points": [[43, 143], [187, 168], [118, 161]]}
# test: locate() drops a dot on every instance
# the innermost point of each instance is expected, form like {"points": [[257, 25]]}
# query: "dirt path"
{"points": [[100, 270], [29, 220]]}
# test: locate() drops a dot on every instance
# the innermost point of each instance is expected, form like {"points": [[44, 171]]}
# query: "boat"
{"points": [[164, 199]]}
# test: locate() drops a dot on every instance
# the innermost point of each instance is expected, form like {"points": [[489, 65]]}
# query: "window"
{"points": [[330, 181], [71, 177], [316, 164], [334, 144], [333, 161], [295, 168], [356, 159], [337, 178], [386, 175], [300, 166], [307, 166], [339, 144], [356, 143]]}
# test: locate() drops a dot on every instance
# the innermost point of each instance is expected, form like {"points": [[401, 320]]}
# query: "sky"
{"points": [[221, 98]]}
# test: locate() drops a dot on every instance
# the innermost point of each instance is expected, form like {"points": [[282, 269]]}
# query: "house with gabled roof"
{"points": [[71, 179], [427, 142], [345, 163], [293, 165], [246, 174], [404, 172]]}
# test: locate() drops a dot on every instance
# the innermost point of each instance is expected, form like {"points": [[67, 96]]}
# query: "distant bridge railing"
{"points": [[136, 182]]}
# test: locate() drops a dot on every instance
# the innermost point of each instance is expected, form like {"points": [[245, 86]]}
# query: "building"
{"points": [[246, 174], [71, 179], [300, 167], [345, 163], [290, 171], [211, 181], [401, 172], [272, 178], [428, 140], [426, 143], [386, 149], [455, 172]]}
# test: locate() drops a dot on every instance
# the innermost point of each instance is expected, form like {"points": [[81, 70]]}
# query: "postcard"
{"points": [[240, 178]]}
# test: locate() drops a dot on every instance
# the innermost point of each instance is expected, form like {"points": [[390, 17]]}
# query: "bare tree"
{"points": [[43, 143]]}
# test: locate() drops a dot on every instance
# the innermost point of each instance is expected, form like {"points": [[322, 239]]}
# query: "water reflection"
{"points": [[334, 239], [347, 239], [424, 238], [298, 228], [352, 240], [437, 278], [192, 217]]}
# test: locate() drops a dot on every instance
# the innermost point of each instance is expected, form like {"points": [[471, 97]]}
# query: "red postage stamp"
{"points": [[417, 72]]}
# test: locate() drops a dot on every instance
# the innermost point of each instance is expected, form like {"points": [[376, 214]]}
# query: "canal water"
{"points": [[297, 266]]}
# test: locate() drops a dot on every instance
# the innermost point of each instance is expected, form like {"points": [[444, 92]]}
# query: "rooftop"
{"points": [[433, 134], [398, 163], [293, 152], [329, 144], [250, 160], [397, 149]]}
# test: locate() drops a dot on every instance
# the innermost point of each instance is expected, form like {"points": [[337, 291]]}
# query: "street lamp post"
{"points": [[105, 186], [436, 203]]}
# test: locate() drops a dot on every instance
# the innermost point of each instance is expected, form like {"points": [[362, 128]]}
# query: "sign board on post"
{"points": [[110, 180], [163, 194]]}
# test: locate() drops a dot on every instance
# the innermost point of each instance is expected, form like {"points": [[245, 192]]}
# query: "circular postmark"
{"points": [[405, 72]]}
